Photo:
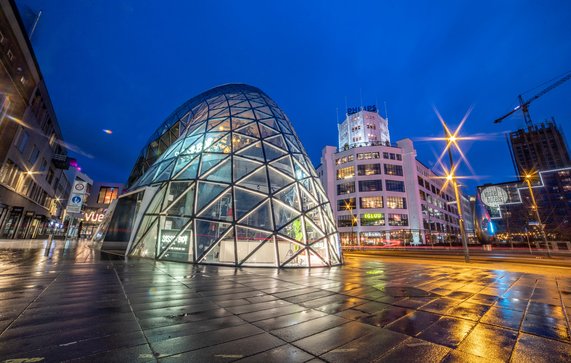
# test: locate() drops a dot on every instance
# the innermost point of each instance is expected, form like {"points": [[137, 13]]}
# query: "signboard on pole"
{"points": [[77, 197]]}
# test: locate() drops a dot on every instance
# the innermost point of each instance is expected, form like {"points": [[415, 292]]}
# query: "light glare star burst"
{"points": [[107, 131]]}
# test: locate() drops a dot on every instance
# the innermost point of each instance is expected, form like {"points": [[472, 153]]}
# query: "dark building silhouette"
{"points": [[539, 147]]}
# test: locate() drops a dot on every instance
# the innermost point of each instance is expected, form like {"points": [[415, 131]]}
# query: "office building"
{"points": [[380, 193]]}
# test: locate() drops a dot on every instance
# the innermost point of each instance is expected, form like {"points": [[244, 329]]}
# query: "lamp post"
{"points": [[349, 207], [534, 207], [452, 178]]}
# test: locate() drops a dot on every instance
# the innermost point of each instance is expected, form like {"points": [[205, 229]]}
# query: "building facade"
{"points": [[510, 206], [33, 186], [101, 195], [382, 195], [539, 147]]}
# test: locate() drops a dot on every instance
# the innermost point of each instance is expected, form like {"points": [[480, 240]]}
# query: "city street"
{"points": [[65, 301]]}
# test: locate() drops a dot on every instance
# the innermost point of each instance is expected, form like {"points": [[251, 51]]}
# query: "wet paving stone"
{"points": [[83, 306]]}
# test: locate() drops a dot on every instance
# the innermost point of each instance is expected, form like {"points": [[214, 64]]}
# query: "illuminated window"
{"points": [[367, 156], [373, 219], [391, 169], [345, 173], [369, 169], [396, 202], [345, 159], [107, 195], [346, 221], [371, 202], [398, 219]]}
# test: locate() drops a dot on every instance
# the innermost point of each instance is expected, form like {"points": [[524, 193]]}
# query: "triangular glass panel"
{"points": [[221, 209], [238, 122], [278, 180], [284, 215], [287, 249], [316, 260], [196, 129], [156, 203], [143, 228], [206, 193], [257, 181], [308, 201], [273, 152], [222, 145], [283, 164], [221, 172], [164, 172], [278, 141], [299, 260], [253, 151], [190, 167], [223, 112], [271, 122], [207, 233], [148, 242], [174, 190], [219, 124], [192, 145], [209, 161], [248, 240], [181, 205], [293, 145], [289, 196], [243, 166], [266, 131], [246, 201], [264, 255], [266, 110], [312, 232], [316, 217], [176, 244], [173, 150], [246, 114], [241, 141], [261, 217], [249, 130]]}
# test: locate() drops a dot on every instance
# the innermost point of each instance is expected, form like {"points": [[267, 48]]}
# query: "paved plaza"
{"points": [[67, 302]]}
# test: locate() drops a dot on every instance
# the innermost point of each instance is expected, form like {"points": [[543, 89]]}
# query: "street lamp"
{"points": [[451, 177], [349, 207], [527, 178]]}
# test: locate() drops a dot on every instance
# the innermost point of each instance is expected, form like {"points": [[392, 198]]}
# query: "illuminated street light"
{"points": [[452, 139], [527, 178], [349, 207]]}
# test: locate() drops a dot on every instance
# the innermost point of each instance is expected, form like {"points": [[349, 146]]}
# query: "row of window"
{"points": [[373, 219], [107, 195], [392, 156], [12, 176], [375, 185], [373, 202], [369, 169]]}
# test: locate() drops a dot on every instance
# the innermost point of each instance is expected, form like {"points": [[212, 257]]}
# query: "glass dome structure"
{"points": [[232, 186]]}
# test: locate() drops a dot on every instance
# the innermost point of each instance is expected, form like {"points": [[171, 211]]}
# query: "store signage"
{"points": [[353, 110], [179, 249], [494, 196], [373, 215], [93, 217]]}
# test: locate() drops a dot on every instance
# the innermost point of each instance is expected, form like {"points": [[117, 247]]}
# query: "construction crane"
{"points": [[524, 105]]}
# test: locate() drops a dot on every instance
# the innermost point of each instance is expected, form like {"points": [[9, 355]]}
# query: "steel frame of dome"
{"points": [[235, 188]]}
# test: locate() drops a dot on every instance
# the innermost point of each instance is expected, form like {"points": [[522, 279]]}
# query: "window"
{"points": [[346, 204], [391, 169], [346, 221], [10, 174], [345, 159], [50, 176], [107, 195], [346, 188], [10, 54], [370, 185], [346, 173], [394, 185], [371, 202], [373, 219], [44, 165], [369, 169], [22, 141], [399, 157], [34, 155], [367, 156], [398, 219], [396, 202], [420, 181]]}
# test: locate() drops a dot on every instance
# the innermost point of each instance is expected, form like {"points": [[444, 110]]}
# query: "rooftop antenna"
{"points": [[337, 114], [386, 112], [346, 107], [361, 96]]}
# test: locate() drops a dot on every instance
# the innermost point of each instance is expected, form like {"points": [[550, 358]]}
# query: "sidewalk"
{"points": [[69, 303]]}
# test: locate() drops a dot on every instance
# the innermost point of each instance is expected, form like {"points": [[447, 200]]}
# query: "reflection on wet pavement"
{"points": [[65, 301]]}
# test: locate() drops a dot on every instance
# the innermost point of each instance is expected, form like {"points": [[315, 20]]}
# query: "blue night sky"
{"points": [[125, 65]]}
